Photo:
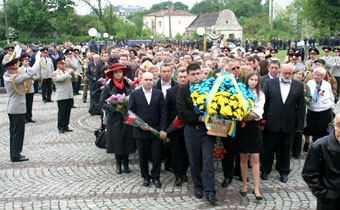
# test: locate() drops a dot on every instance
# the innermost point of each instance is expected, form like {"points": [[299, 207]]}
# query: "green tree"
{"points": [[249, 8], [206, 5], [322, 14]]}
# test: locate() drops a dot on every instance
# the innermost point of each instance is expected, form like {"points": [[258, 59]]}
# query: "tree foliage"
{"points": [[322, 14], [206, 6], [249, 8]]}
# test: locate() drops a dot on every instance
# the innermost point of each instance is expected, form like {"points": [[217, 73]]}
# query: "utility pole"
{"points": [[271, 7], [170, 6], [6, 24]]}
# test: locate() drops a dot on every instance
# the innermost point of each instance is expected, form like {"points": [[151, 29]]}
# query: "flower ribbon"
{"points": [[219, 80]]}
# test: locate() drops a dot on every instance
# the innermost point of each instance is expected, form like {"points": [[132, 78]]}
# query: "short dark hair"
{"points": [[192, 67], [274, 61]]}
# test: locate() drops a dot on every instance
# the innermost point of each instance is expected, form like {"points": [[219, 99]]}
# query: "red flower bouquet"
{"points": [[175, 125], [219, 149], [135, 121]]}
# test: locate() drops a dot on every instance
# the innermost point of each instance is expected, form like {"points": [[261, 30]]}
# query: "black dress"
{"points": [[248, 139]]}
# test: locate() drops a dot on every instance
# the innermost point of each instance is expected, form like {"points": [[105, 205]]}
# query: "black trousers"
{"points": [[16, 134], [272, 140], [231, 160], [297, 144], [200, 147], [29, 105], [64, 113], [179, 155], [46, 89], [78, 85], [150, 148]]}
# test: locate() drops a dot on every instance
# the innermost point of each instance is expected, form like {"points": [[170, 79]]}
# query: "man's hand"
{"points": [[145, 128], [162, 134]]}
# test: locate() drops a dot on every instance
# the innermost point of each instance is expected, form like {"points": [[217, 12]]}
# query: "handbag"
{"points": [[100, 137], [95, 107]]}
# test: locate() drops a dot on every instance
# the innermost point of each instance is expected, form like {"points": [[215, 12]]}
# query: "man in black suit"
{"points": [[148, 103], [284, 113], [163, 84], [200, 146], [273, 71], [179, 156]]}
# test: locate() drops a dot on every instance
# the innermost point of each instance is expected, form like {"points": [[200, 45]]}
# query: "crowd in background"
{"points": [[296, 97]]}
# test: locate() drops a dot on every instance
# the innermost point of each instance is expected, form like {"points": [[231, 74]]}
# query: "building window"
{"points": [[147, 24], [179, 22], [159, 24]]}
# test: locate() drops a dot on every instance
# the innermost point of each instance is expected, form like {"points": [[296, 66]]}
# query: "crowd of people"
{"points": [[295, 98]]}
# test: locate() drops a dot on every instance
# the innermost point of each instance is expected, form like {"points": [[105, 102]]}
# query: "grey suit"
{"points": [[64, 96], [16, 110]]}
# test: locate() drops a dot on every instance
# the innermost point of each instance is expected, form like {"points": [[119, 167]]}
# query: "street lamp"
{"points": [[92, 33], [200, 32], [151, 39], [105, 35], [111, 38]]}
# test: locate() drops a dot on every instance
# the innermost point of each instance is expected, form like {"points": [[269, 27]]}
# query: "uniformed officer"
{"points": [[64, 94], [28, 85], [336, 67], [16, 108], [327, 58], [44, 69], [310, 65]]}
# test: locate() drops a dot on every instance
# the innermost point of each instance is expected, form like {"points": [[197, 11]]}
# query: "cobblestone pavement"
{"points": [[67, 171]]}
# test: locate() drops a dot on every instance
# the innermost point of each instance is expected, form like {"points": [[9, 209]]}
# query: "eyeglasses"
{"points": [[195, 74], [236, 67]]}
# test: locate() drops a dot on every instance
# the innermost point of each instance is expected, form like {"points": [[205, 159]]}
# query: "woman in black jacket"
{"points": [[119, 135]]}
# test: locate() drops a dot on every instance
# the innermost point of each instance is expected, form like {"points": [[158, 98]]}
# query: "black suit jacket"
{"points": [[263, 80], [171, 104], [289, 116], [158, 84], [153, 114], [186, 110]]}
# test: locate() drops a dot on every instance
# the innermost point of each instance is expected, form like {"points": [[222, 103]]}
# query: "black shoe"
{"points": [[21, 158], [264, 176], [185, 178], [157, 183], [119, 167], [296, 156], [49, 100], [68, 130], [198, 194], [306, 147], [146, 182], [226, 183], [284, 178], [61, 131], [211, 198], [73, 107], [84, 100], [243, 194], [258, 198], [44, 101], [31, 121], [178, 182]]}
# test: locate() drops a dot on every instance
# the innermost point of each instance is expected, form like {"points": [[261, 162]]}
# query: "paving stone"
{"points": [[67, 171]]}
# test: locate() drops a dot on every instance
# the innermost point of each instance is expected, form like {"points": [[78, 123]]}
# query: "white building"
{"points": [[168, 22]]}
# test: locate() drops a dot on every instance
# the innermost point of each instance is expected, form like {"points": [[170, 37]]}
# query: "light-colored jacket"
{"points": [[43, 67], [16, 102], [23, 70], [336, 66], [63, 84]]}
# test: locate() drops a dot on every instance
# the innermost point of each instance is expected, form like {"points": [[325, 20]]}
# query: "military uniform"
{"points": [[16, 107], [64, 96], [335, 62], [29, 89], [328, 59], [44, 69]]}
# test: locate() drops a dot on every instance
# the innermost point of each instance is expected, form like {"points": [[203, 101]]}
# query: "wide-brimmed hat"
{"points": [[116, 67]]}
